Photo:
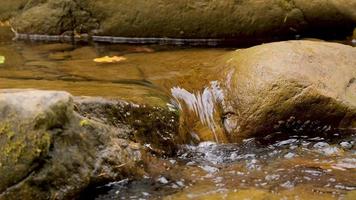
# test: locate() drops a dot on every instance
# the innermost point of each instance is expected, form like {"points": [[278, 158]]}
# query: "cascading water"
{"points": [[205, 106]]}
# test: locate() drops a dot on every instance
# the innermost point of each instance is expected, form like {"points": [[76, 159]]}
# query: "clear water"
{"points": [[296, 167]]}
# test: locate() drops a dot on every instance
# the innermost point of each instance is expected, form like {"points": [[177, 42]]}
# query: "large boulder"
{"points": [[293, 86], [48, 151], [186, 19]]}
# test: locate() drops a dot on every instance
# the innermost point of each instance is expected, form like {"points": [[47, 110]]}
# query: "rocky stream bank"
{"points": [[88, 120]]}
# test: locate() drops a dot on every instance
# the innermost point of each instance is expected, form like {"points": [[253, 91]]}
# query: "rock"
{"points": [[9, 8], [54, 16], [187, 19], [47, 151], [5, 33], [155, 126], [293, 86]]}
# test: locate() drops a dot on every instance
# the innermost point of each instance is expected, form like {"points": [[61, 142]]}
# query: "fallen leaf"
{"points": [[2, 60], [107, 59]]}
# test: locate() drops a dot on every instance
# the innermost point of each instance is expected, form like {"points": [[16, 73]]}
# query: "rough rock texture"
{"points": [[47, 151], [9, 8], [54, 17], [155, 126], [5, 34], [185, 18], [293, 85]]}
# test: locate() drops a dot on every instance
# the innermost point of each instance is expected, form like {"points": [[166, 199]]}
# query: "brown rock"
{"points": [[47, 151], [294, 85], [240, 20]]}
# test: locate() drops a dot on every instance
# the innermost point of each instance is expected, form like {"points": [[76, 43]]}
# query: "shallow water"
{"points": [[148, 71], [151, 74], [294, 167], [297, 167]]}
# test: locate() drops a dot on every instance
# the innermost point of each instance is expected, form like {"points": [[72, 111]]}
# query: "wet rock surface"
{"points": [[48, 151], [293, 86], [154, 126], [185, 19]]}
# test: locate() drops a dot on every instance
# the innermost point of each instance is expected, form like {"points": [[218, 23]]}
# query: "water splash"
{"points": [[203, 104]]}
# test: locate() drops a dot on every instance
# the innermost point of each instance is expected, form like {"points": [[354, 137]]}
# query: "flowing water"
{"points": [[300, 166]]}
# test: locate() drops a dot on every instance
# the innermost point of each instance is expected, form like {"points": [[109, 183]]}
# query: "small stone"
{"points": [[346, 145], [320, 145]]}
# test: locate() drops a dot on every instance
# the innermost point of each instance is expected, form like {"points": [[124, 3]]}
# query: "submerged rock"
{"points": [[48, 151], [293, 86], [184, 19]]}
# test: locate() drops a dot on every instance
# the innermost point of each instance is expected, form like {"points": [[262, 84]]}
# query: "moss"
{"points": [[20, 150], [58, 115], [155, 125], [84, 122], [5, 129], [286, 4], [26, 146]]}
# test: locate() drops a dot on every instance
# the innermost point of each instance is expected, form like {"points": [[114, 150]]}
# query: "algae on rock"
{"points": [[47, 152]]}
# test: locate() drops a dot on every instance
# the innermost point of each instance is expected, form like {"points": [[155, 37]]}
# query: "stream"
{"points": [[302, 165]]}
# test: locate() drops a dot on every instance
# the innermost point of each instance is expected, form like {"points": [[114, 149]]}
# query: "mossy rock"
{"points": [[47, 151], [21, 152], [151, 124]]}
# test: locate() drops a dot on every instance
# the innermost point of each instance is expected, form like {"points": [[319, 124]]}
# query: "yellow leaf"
{"points": [[107, 59], [2, 60]]}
